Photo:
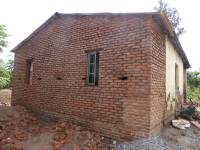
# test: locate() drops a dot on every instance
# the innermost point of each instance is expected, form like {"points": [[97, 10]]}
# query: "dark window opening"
{"points": [[176, 79], [29, 71], [93, 68]]}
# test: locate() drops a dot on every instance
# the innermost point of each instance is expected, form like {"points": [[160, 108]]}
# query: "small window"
{"points": [[29, 71], [176, 78], [93, 68]]}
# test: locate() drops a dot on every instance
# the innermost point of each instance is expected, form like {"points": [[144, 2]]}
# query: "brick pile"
{"points": [[16, 131]]}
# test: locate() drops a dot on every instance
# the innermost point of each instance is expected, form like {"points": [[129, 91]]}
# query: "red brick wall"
{"points": [[118, 108], [158, 73]]}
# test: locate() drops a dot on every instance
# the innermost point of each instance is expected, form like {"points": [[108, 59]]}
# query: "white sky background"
{"points": [[22, 17]]}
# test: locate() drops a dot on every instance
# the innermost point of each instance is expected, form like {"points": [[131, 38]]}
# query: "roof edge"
{"points": [[36, 31], [56, 14], [108, 13], [174, 38], [163, 16]]}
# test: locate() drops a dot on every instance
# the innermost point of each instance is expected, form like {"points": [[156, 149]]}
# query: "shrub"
{"points": [[5, 77], [193, 92], [4, 83]]}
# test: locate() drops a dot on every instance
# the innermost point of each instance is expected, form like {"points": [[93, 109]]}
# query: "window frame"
{"points": [[29, 71], [176, 78], [88, 68]]}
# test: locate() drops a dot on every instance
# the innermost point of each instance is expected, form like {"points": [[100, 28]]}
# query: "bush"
{"points": [[193, 92], [5, 77], [4, 83]]}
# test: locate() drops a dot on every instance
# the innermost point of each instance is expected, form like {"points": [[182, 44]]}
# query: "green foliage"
{"points": [[4, 72], [10, 65], [5, 77], [4, 83], [3, 35], [172, 14], [193, 92], [193, 79]]}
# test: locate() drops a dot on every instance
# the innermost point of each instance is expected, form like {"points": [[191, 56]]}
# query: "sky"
{"points": [[22, 17]]}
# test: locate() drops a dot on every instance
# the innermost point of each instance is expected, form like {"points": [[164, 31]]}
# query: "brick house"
{"points": [[118, 74]]}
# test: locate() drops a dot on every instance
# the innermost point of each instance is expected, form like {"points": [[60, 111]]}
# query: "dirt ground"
{"points": [[186, 139], [22, 130]]}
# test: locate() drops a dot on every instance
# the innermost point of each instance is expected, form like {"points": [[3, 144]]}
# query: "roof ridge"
{"points": [[110, 13]]}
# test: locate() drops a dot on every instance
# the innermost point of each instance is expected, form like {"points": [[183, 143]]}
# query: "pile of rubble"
{"points": [[191, 115], [3, 104], [19, 126], [16, 128], [68, 136]]}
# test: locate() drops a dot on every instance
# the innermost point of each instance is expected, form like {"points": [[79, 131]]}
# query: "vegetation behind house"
{"points": [[173, 16], [3, 35], [6, 70], [193, 91]]}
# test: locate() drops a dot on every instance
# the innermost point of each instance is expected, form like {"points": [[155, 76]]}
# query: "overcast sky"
{"points": [[21, 17]]}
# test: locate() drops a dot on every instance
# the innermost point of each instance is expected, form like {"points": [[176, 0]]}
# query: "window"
{"points": [[29, 71], [176, 79], [93, 68]]}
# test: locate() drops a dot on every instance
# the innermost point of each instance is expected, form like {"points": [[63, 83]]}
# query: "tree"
{"points": [[173, 15], [3, 35], [193, 79], [10, 65]]}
